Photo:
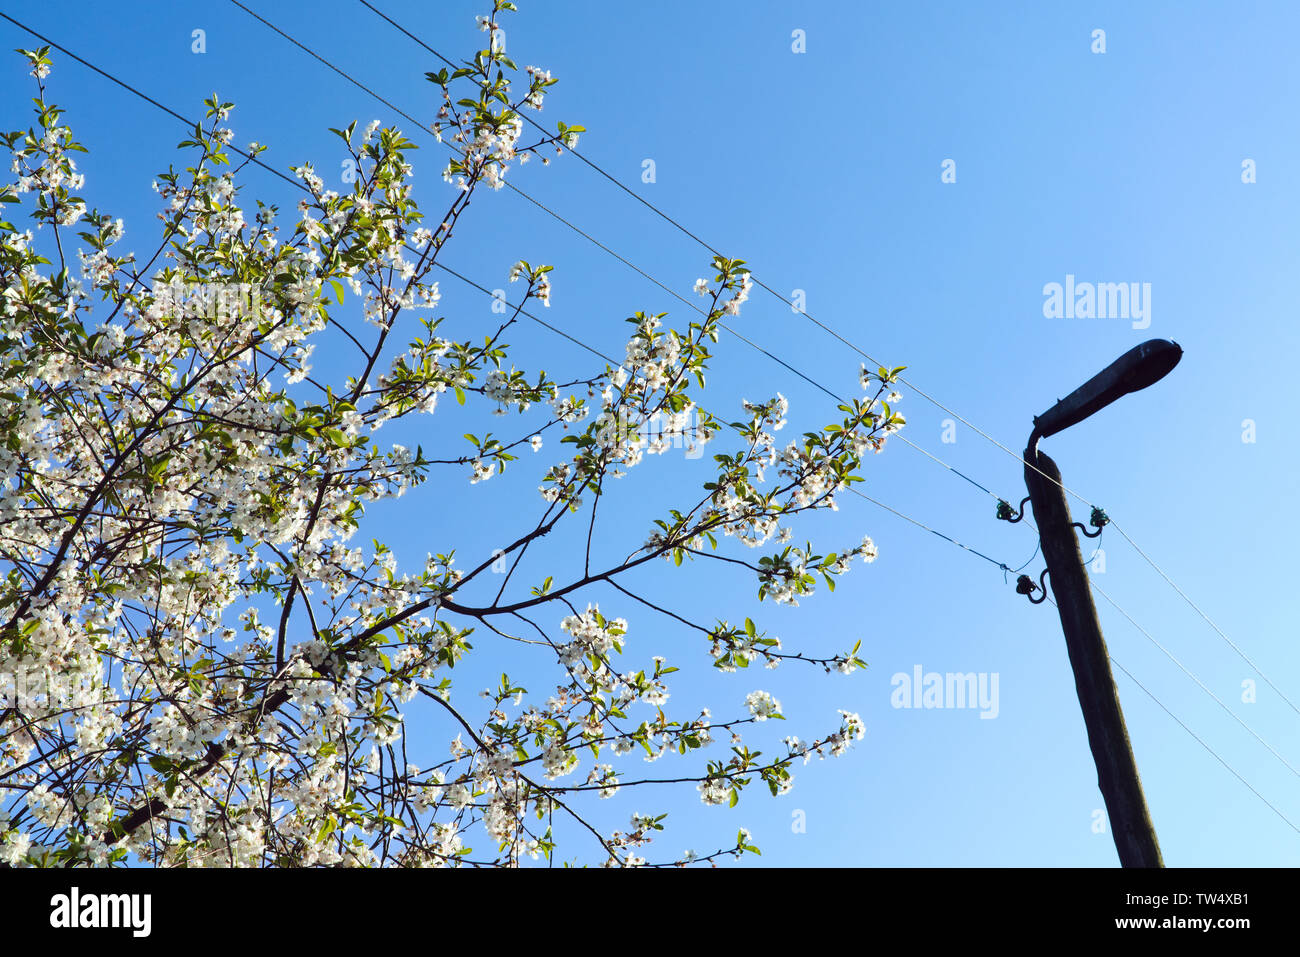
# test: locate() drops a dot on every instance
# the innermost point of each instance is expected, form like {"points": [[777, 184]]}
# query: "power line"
{"points": [[951, 412], [633, 266], [295, 183], [541, 322], [1199, 741], [1241, 654], [758, 282], [579, 230], [825, 327], [1197, 738], [528, 119], [535, 202], [275, 172], [1002, 565], [1097, 588], [672, 292], [831, 331], [596, 352], [949, 467], [678, 296]]}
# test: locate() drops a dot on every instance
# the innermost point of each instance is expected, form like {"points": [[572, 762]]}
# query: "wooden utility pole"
{"points": [[1117, 774]]}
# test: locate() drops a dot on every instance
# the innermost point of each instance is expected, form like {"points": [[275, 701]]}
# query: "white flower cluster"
{"points": [[732, 306], [762, 705], [558, 760], [653, 357], [715, 791], [593, 634]]}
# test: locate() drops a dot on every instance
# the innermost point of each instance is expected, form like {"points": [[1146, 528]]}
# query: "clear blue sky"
{"points": [[823, 170]]}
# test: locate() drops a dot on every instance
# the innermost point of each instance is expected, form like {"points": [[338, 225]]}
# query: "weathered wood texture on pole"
{"points": [[1117, 774]]}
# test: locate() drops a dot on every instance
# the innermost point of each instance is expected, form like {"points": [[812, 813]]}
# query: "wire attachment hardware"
{"points": [[1026, 586], [1098, 520], [1008, 514]]}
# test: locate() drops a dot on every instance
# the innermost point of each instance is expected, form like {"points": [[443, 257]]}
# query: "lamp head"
{"points": [[1136, 369]]}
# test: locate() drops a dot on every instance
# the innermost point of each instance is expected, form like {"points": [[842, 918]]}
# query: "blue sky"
{"points": [[822, 170]]}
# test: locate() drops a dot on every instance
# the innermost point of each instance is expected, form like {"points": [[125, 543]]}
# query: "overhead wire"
{"points": [[299, 185], [1197, 738], [708, 246], [850, 344], [830, 331], [907, 518], [672, 292], [582, 232], [1232, 644], [1185, 670]]}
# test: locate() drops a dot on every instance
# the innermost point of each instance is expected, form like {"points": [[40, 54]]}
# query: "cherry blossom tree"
{"points": [[202, 662]]}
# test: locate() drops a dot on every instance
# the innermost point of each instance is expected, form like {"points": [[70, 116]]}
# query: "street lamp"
{"points": [[1136, 369], [1117, 775]]}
